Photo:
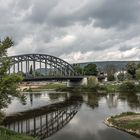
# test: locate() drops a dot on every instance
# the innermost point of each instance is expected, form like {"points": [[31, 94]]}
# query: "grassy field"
{"points": [[127, 120], [6, 134]]}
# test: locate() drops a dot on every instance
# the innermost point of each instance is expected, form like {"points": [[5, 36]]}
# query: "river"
{"points": [[63, 116]]}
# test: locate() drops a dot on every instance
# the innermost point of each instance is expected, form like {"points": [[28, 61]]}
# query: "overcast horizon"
{"points": [[76, 30]]}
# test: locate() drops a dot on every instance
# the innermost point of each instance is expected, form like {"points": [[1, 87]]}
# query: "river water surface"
{"points": [[69, 119]]}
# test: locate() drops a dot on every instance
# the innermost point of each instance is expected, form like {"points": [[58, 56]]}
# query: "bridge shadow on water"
{"points": [[45, 121]]}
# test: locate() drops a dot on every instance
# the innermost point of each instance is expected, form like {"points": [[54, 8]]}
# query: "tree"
{"points": [[131, 69], [110, 70], [138, 74], [92, 81], [31, 70], [90, 69], [127, 86], [138, 66], [8, 82], [110, 77], [78, 69], [21, 73], [121, 76]]}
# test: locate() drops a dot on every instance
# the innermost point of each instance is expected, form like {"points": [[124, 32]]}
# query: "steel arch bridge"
{"points": [[32, 66]]}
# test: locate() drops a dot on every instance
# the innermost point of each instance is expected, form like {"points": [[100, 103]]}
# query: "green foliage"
{"points": [[131, 69], [138, 87], [92, 81], [111, 88], [1, 116], [126, 120], [138, 74], [110, 77], [127, 113], [78, 69], [138, 66], [8, 83], [121, 76], [37, 73], [128, 76], [110, 70], [90, 69], [22, 74], [4, 45], [127, 86], [6, 134]]}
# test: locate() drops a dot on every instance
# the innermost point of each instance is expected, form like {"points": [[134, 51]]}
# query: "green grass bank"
{"points": [[127, 121], [6, 134]]}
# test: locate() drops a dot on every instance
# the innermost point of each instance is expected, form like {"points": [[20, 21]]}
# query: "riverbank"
{"points": [[43, 87], [6, 134], [62, 87], [128, 122], [105, 88]]}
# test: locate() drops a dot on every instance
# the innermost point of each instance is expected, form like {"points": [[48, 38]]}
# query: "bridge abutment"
{"points": [[77, 83]]}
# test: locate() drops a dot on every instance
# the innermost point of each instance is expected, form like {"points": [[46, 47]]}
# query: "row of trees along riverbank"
{"points": [[131, 71]]}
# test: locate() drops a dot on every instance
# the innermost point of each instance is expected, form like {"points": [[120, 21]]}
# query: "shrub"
{"points": [[92, 81], [121, 76], [127, 86], [1, 116], [127, 113], [110, 77], [138, 87]]}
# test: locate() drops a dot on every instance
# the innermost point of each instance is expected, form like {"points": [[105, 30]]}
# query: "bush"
{"points": [[1, 116], [92, 81], [127, 113], [128, 86], [138, 87], [110, 77], [121, 76], [111, 87], [128, 76]]}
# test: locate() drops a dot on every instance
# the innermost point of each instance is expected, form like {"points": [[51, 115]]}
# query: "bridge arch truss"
{"points": [[53, 66]]}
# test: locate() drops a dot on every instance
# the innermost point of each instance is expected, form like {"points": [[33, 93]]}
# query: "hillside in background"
{"points": [[102, 64]]}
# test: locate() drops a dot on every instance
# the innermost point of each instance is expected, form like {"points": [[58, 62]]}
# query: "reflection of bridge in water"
{"points": [[43, 122]]}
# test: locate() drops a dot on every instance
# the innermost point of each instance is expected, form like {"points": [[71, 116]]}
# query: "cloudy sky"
{"points": [[74, 30]]}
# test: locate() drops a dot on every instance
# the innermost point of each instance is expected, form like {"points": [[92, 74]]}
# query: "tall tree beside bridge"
{"points": [[90, 69], [31, 70], [8, 83], [78, 69]]}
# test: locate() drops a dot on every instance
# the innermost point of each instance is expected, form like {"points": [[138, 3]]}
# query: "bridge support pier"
{"points": [[75, 83]]}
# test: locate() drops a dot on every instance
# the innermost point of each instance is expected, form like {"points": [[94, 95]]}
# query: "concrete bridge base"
{"points": [[74, 83]]}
